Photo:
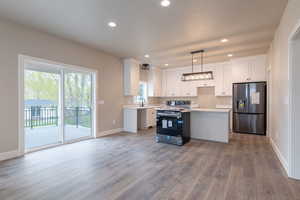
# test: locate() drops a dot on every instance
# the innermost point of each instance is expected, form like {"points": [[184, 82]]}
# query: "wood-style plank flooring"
{"points": [[134, 167]]}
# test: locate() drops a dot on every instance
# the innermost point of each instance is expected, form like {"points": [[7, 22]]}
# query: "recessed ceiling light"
{"points": [[112, 24], [166, 65], [147, 56], [230, 55], [165, 3], [224, 40]]}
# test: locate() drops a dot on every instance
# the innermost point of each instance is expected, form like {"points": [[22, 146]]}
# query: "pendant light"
{"points": [[196, 76]]}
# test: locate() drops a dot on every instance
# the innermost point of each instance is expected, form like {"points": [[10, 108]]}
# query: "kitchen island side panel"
{"points": [[210, 126]]}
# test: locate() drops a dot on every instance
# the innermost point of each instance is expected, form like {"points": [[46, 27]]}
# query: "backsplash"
{"points": [[206, 98], [129, 100]]}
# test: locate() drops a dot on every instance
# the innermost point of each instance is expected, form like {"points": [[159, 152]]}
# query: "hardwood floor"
{"points": [[134, 167]]}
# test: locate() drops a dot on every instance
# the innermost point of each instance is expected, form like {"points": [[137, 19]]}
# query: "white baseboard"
{"points": [[280, 156], [109, 132], [10, 155]]}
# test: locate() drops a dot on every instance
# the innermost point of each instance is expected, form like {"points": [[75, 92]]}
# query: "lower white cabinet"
{"points": [[147, 118]]}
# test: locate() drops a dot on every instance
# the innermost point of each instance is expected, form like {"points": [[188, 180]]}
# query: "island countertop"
{"points": [[223, 110]]}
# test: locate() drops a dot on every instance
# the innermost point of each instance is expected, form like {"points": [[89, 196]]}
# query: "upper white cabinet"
{"points": [[131, 77], [172, 83], [258, 68], [223, 79], [155, 82], [186, 88], [249, 69], [206, 67], [174, 87]]}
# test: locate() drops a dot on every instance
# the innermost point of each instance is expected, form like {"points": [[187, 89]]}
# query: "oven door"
{"points": [[169, 125]]}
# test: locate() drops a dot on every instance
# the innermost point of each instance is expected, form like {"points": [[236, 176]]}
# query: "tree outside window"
{"points": [[143, 94]]}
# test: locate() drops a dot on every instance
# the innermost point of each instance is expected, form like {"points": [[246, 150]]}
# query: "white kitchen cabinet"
{"points": [[147, 118], [258, 68], [131, 75], [240, 71], [249, 69], [171, 83], [151, 117], [223, 80], [155, 82], [205, 83], [187, 88], [164, 83], [173, 86]]}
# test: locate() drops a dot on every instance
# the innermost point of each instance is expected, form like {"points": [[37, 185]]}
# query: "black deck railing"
{"points": [[78, 116], [38, 116]]}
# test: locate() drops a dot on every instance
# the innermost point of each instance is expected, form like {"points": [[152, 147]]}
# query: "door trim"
{"points": [[22, 60]]}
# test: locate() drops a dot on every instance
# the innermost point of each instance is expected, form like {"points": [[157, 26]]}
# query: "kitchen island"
{"points": [[210, 124], [205, 124]]}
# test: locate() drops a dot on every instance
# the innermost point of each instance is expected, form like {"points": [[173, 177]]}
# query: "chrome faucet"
{"points": [[143, 104]]}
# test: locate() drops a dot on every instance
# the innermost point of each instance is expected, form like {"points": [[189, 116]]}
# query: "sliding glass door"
{"points": [[58, 105], [78, 111], [42, 117]]}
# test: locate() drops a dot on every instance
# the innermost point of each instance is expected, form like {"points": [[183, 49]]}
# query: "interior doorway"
{"points": [[58, 104], [294, 106]]}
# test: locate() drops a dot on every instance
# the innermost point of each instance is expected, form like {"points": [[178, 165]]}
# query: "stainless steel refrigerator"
{"points": [[249, 108]]}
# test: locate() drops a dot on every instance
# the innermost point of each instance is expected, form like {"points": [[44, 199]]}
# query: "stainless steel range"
{"points": [[173, 123]]}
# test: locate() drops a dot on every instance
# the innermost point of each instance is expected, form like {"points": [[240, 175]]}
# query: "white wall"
{"points": [[17, 39], [295, 128], [279, 75]]}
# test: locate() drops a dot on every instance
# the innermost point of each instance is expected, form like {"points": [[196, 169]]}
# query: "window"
{"points": [[142, 95]]}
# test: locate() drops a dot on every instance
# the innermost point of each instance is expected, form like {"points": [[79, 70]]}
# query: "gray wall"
{"points": [[17, 39]]}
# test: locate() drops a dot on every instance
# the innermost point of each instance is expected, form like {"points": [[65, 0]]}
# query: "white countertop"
{"points": [[210, 110], [137, 107], [218, 110]]}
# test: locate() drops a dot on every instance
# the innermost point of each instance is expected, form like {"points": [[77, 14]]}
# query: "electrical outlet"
{"points": [[101, 102]]}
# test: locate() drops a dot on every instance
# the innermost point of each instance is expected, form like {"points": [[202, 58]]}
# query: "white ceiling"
{"points": [[144, 27]]}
